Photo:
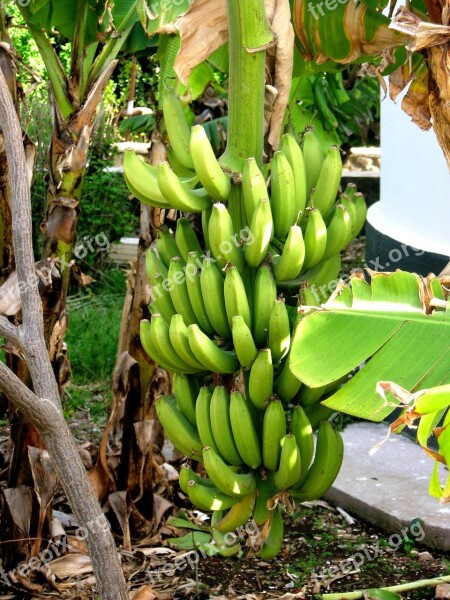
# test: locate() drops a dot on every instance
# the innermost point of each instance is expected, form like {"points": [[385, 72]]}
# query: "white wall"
{"points": [[415, 184]]}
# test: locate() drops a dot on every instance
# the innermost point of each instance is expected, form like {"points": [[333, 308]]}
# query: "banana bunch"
{"points": [[223, 313]]}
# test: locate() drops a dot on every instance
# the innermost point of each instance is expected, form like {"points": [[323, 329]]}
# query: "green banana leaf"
{"points": [[385, 321]]}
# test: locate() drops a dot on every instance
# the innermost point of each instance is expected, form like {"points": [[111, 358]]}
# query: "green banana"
{"points": [[205, 497], [186, 389], [286, 386], [254, 187], [244, 431], [221, 426], [141, 181], [274, 541], [236, 302], [223, 477], [223, 241], [187, 474], [313, 156], [264, 295], [261, 229], [350, 207], [302, 430], [274, 431], [238, 515], [185, 239], [162, 299], [290, 263], [208, 169], [315, 239], [177, 428], [327, 185], [243, 343], [294, 154], [194, 290], [324, 276], [261, 379], [226, 547], [325, 467], [309, 396], [261, 511], [212, 286], [360, 214], [177, 194], [317, 413], [167, 247], [350, 191], [279, 331], [177, 167], [282, 196], [179, 339], [154, 265], [338, 231], [160, 338], [206, 215], [203, 418], [290, 465], [214, 359], [178, 290], [177, 128]]}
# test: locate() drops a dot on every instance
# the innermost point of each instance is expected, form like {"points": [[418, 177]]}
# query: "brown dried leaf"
{"points": [[160, 507], [70, 565], [145, 593], [44, 475], [119, 504], [20, 501]]}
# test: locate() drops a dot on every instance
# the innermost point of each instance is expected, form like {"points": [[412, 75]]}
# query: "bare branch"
{"points": [[9, 331]]}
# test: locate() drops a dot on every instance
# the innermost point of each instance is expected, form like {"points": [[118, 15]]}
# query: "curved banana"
{"points": [[302, 430], [315, 239], [238, 515], [212, 286], [160, 338], [350, 207], [178, 290], [317, 413], [229, 482], [313, 156], [162, 298], [178, 168], [244, 430], [254, 187], [206, 215], [236, 302], [185, 239], [338, 231], [324, 277], [203, 418], [327, 185], [177, 194], [206, 165], [177, 428], [177, 128], [325, 467], [260, 384], [282, 196], [154, 265], [261, 228], [187, 474], [243, 343], [290, 465], [223, 241], [194, 290], [286, 386], [294, 154], [205, 497], [274, 541], [274, 431], [179, 338], [167, 247], [142, 182], [360, 213], [264, 295], [225, 546], [261, 511], [185, 389], [290, 263], [215, 359], [221, 426], [279, 331]]}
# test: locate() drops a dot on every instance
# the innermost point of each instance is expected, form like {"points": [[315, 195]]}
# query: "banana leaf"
{"points": [[386, 330]]}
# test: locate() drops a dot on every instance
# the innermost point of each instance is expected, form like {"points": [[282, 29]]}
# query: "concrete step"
{"points": [[390, 488]]}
